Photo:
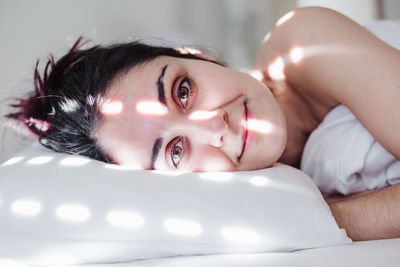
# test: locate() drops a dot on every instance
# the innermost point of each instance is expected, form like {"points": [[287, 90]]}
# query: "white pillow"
{"points": [[56, 208]]}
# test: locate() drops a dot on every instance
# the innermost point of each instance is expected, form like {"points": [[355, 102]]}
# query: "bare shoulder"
{"points": [[329, 59], [295, 40]]}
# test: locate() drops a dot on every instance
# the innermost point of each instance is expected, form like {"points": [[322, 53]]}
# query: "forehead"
{"points": [[127, 135], [138, 80]]}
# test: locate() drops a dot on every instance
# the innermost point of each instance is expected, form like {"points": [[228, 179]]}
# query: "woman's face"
{"points": [[191, 115]]}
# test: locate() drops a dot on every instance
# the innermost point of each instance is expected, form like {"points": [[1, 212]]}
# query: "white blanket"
{"points": [[342, 157]]}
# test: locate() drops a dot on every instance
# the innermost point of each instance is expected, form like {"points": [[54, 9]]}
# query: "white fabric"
{"points": [[376, 253], [280, 208], [342, 157], [347, 159]]}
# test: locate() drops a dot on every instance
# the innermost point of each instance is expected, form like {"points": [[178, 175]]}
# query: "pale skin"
{"points": [[211, 144], [343, 65]]}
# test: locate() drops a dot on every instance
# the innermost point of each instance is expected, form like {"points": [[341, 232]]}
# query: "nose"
{"points": [[209, 126]]}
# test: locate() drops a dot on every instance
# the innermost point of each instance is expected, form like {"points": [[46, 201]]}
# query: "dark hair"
{"points": [[63, 110]]}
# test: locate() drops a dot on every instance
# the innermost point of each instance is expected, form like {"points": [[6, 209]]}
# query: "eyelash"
{"points": [[184, 106], [190, 93], [181, 147]]}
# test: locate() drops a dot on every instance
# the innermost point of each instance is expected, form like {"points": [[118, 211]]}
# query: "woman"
{"points": [[160, 108]]}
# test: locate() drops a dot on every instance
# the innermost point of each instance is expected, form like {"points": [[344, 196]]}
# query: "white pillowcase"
{"points": [[56, 208]]}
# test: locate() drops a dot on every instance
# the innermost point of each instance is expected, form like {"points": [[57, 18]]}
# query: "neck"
{"points": [[300, 123]]}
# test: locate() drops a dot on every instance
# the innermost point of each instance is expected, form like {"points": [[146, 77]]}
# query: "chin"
{"points": [[263, 161]]}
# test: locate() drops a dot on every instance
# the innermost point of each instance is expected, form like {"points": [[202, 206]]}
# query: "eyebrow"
{"points": [[161, 96], [160, 86], [155, 150]]}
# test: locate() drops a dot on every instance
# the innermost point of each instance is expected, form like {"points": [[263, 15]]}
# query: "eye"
{"points": [[184, 92], [177, 152]]}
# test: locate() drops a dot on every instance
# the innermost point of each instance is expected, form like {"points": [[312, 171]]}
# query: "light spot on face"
{"points": [[39, 160], [276, 69], [259, 181], [74, 161], [296, 54], [240, 236], [73, 213], [258, 126], [69, 105], [217, 176], [182, 227], [12, 161], [257, 74], [285, 18], [202, 115], [125, 219], [26, 207], [151, 108], [112, 107]]}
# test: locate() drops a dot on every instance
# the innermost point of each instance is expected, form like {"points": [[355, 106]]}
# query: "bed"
{"points": [[59, 210], [366, 254]]}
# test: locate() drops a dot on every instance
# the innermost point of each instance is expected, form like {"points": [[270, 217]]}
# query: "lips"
{"points": [[244, 137]]}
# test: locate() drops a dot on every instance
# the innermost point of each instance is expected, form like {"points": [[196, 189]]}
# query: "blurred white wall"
{"points": [[390, 9]]}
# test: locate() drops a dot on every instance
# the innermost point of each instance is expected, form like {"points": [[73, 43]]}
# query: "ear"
{"points": [[185, 50]]}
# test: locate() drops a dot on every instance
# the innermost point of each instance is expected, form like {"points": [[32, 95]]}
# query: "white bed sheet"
{"points": [[366, 254]]}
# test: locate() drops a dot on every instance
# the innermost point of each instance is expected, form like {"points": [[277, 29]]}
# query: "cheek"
{"points": [[211, 159], [217, 90], [213, 96]]}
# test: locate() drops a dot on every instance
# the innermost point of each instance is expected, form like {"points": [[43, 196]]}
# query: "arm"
{"points": [[343, 63], [338, 197], [375, 215]]}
